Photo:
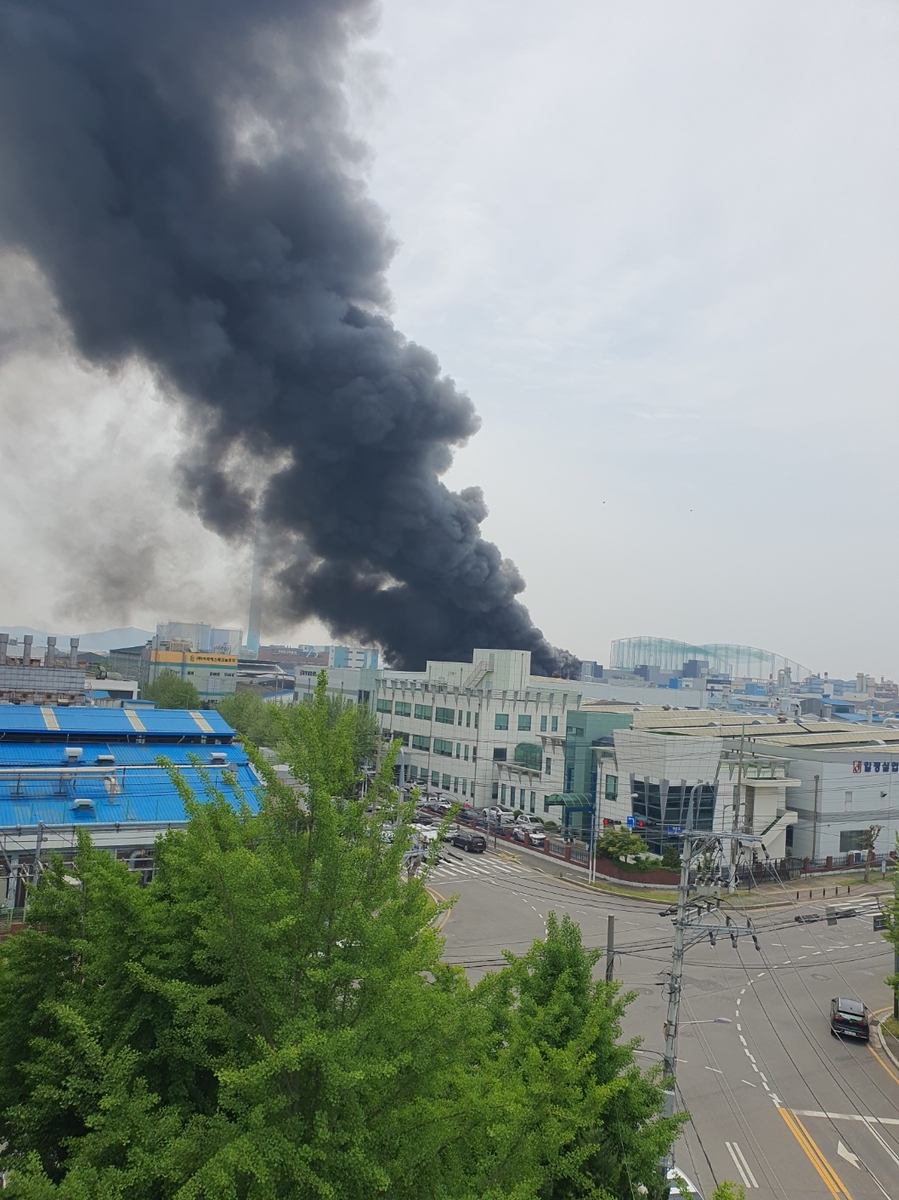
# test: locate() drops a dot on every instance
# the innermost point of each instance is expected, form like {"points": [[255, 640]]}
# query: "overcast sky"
{"points": [[657, 244]]}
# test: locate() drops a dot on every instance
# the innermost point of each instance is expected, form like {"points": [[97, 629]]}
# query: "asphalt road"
{"points": [[776, 1102]]}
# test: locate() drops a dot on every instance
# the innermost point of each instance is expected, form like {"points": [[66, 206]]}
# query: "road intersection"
{"points": [[776, 1102]]}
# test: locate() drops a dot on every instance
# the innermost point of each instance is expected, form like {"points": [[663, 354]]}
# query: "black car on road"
{"points": [[470, 840], [849, 1018]]}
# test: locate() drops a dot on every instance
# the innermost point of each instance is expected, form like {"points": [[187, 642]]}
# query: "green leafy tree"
{"points": [[269, 1018], [671, 858], [171, 691], [252, 717], [620, 844], [726, 1190]]}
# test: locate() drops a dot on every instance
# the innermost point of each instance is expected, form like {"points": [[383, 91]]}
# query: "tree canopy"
{"points": [[270, 1017], [171, 691]]}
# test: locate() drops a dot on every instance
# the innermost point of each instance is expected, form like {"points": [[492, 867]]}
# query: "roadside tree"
{"points": [[170, 691]]}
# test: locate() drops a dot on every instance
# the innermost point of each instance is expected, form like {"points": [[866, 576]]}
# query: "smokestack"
{"points": [[26, 649], [4, 648], [73, 652], [254, 622], [248, 270], [50, 656]]}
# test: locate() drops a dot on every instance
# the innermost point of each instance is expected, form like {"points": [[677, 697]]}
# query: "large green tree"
{"points": [[171, 691], [270, 1018], [252, 717]]}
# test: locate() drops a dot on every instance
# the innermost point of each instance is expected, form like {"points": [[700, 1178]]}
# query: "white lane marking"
{"points": [[741, 1164], [748, 1084], [739, 1026], [715, 1069], [742, 1039], [760, 974], [883, 1143], [802, 956], [835, 1116]]}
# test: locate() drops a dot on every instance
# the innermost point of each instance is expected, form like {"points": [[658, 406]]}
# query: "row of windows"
{"points": [[501, 721], [425, 712], [501, 754], [421, 741], [500, 793], [461, 786]]}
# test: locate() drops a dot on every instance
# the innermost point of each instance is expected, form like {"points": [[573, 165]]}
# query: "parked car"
{"points": [[849, 1018], [679, 1182], [470, 840], [468, 815], [536, 835]]}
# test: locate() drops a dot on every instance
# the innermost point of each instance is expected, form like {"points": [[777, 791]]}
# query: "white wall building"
{"points": [[484, 731]]}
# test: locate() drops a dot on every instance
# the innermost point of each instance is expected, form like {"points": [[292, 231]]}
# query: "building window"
{"points": [[402, 738], [533, 802], [476, 720], [459, 750], [446, 783], [444, 747], [521, 799], [555, 725], [464, 782], [455, 783], [611, 787], [465, 755], [402, 708], [852, 839], [412, 772], [847, 799], [471, 793], [190, 672], [502, 793], [546, 804], [467, 719], [512, 796], [460, 716], [524, 723], [384, 706], [549, 766], [474, 753], [420, 743], [543, 724], [494, 792], [445, 716], [501, 721], [385, 734], [499, 753], [422, 712], [435, 779]]}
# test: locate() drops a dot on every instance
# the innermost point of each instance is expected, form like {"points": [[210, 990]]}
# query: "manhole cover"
{"points": [[818, 975]]}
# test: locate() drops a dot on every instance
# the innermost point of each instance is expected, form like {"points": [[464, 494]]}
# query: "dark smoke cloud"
{"points": [[182, 173]]}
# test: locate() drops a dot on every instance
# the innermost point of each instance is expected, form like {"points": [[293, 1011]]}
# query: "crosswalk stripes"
{"points": [[448, 869]]}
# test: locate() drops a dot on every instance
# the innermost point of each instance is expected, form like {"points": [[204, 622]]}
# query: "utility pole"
{"points": [[610, 948], [689, 929], [738, 796]]}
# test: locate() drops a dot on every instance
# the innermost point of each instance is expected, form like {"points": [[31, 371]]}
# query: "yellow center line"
{"points": [[813, 1153], [889, 1070]]}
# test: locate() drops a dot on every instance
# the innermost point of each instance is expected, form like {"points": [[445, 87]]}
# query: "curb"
{"points": [[885, 1048]]}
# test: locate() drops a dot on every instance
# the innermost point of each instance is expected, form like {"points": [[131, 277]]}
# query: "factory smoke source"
{"points": [[183, 174]]}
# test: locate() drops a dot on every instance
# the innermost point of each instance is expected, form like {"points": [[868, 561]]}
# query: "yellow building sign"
{"points": [[200, 659]]}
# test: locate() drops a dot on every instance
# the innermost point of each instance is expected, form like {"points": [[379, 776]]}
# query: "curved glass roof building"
{"points": [[740, 662]]}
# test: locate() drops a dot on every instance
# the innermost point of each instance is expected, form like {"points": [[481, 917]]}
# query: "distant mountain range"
{"points": [[107, 639]]}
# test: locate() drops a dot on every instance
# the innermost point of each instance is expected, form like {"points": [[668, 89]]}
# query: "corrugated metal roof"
{"points": [[112, 722]]}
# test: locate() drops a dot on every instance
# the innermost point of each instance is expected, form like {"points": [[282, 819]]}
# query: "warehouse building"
{"points": [[67, 769]]}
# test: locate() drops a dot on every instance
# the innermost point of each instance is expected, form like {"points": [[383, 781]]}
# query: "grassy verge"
{"points": [[888, 1025]]}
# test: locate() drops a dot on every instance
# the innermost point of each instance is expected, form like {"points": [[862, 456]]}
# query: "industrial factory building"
{"points": [[213, 674], [67, 769], [479, 731]]}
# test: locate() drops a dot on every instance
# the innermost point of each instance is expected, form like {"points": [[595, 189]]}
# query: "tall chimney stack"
{"points": [[254, 624], [26, 649], [4, 648], [50, 656], [73, 652]]}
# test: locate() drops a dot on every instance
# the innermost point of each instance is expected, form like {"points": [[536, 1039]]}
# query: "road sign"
{"points": [[630, 822], [880, 922], [674, 830]]}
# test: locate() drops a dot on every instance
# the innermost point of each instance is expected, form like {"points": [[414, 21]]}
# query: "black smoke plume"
{"points": [[183, 174]]}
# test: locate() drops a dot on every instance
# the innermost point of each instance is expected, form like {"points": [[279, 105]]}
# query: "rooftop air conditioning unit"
{"points": [[73, 752], [82, 802], [218, 756], [105, 759]]}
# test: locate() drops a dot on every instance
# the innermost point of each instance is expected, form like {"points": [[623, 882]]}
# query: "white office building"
{"points": [[484, 731]]}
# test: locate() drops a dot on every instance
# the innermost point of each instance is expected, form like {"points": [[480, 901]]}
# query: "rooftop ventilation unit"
{"points": [[82, 802], [73, 752], [218, 756], [105, 759]]}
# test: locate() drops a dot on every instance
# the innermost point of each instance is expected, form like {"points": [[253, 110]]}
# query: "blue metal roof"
{"points": [[40, 783], [112, 722]]}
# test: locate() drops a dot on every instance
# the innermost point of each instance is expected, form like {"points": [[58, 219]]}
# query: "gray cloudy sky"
{"points": [[657, 244]]}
